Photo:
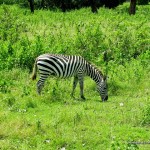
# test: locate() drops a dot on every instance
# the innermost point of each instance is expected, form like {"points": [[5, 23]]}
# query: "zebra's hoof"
{"points": [[83, 97]]}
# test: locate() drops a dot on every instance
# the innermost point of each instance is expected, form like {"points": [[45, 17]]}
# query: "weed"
{"points": [[11, 101], [117, 144], [38, 124], [146, 115], [31, 104], [26, 91], [4, 86], [77, 118]]}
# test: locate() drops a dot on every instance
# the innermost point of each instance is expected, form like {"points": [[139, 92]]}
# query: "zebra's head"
{"points": [[102, 88]]}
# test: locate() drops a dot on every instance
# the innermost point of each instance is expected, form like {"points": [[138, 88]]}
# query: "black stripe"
{"points": [[43, 70], [56, 59], [48, 67]]}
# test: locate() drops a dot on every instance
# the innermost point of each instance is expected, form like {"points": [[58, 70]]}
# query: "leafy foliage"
{"points": [[90, 38], [143, 2]]}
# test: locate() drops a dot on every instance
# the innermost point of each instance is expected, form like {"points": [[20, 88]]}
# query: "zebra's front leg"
{"points": [[81, 82], [75, 81]]}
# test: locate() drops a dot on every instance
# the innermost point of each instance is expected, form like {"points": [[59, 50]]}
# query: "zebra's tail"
{"points": [[33, 77]]}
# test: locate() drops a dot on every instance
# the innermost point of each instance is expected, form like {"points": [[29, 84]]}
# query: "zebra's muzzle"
{"points": [[105, 99]]}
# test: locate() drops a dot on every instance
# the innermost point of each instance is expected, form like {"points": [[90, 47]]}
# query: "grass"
{"points": [[54, 120]]}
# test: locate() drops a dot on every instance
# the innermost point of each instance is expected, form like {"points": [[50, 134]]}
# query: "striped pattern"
{"points": [[67, 66]]}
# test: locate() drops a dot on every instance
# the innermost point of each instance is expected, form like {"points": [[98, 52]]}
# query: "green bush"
{"points": [[21, 43]]}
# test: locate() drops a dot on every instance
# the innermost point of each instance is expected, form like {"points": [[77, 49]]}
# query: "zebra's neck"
{"points": [[93, 72]]}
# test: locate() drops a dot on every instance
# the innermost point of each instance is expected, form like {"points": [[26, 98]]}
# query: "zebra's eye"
{"points": [[106, 87]]}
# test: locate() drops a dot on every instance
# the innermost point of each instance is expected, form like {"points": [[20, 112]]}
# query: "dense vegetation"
{"points": [[117, 43], [70, 4]]}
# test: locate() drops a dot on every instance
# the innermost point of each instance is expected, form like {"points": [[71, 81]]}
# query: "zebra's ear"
{"points": [[105, 78]]}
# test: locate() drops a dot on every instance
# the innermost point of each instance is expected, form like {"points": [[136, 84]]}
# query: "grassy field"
{"points": [[54, 120]]}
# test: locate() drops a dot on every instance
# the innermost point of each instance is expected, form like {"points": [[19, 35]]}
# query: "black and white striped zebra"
{"points": [[64, 66]]}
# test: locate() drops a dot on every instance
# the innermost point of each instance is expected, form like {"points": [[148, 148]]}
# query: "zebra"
{"points": [[65, 66]]}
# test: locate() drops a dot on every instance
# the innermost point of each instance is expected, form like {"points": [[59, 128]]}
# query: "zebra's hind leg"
{"points": [[75, 81], [40, 84]]}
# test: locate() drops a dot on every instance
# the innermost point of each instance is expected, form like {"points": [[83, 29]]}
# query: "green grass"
{"points": [[54, 120]]}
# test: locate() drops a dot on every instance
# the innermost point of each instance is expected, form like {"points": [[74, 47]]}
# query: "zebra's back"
{"points": [[60, 65]]}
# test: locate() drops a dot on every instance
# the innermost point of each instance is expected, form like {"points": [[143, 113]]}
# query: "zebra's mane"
{"points": [[96, 68]]}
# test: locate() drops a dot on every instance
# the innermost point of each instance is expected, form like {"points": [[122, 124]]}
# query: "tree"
{"points": [[31, 5], [63, 5], [42, 4], [132, 8], [93, 6]]}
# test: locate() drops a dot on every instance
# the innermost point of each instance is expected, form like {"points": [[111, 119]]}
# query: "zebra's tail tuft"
{"points": [[33, 77]]}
